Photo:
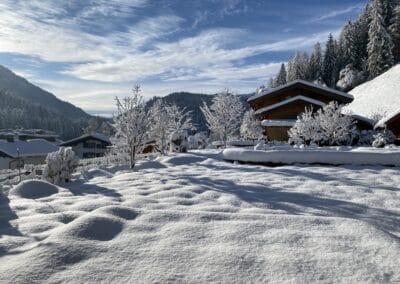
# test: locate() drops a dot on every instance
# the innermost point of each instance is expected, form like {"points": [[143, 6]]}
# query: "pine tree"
{"points": [[315, 67], [361, 28], [281, 78], [298, 67], [271, 83], [330, 72], [394, 31], [380, 57]]}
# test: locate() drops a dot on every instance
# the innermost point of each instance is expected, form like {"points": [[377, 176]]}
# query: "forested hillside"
{"points": [[365, 49]]}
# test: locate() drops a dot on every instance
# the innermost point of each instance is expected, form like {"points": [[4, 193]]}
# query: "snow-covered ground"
{"points": [[195, 218]]}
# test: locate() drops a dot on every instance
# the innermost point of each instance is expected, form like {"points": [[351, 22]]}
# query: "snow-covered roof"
{"points": [[95, 136], [378, 96], [287, 101], [29, 148], [278, 122], [299, 82]]}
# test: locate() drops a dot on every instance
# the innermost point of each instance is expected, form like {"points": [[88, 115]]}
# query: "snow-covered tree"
{"points": [[165, 120], [271, 83], [132, 125], [349, 78], [180, 118], [179, 141], [329, 66], [394, 31], [281, 78], [381, 139], [305, 130], [326, 127], [251, 127], [160, 128], [336, 128], [315, 67], [93, 125], [298, 67], [60, 165], [223, 116], [380, 57]]}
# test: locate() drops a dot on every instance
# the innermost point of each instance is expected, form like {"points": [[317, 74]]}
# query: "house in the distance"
{"points": [[16, 153], [279, 108], [29, 134], [89, 145]]}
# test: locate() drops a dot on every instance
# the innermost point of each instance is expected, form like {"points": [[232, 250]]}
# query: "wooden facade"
{"points": [[393, 124], [289, 101]]}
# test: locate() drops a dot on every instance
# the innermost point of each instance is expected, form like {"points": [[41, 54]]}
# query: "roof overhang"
{"points": [[287, 101], [345, 97]]}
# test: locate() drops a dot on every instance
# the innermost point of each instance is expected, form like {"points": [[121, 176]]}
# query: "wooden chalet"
{"points": [[279, 108]]}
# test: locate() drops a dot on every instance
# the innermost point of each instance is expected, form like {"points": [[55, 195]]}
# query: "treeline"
{"points": [[365, 49], [18, 113]]}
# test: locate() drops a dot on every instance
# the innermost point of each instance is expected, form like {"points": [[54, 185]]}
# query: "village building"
{"points": [[17, 153], [279, 108], [89, 145]]}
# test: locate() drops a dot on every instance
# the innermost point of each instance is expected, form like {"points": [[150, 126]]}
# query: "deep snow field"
{"points": [[195, 218]]}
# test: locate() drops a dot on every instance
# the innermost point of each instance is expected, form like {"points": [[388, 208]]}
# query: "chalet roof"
{"points": [[28, 148], [287, 101], [95, 136], [387, 119], [304, 84]]}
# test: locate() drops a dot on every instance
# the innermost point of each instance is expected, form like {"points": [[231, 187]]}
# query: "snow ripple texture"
{"points": [[194, 218]]}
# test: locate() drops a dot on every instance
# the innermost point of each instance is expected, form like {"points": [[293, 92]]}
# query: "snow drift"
{"points": [[328, 156], [34, 189]]}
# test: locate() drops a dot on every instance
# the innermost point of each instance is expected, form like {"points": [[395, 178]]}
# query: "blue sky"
{"points": [[88, 52]]}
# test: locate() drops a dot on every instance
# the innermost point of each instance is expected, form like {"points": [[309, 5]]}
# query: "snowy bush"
{"points": [[327, 127], [198, 141], [382, 139], [179, 141], [251, 127], [349, 78], [60, 165]]}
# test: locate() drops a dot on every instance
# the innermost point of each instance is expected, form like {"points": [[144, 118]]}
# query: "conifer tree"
{"points": [[315, 67], [329, 72], [281, 78], [380, 57], [394, 31]]}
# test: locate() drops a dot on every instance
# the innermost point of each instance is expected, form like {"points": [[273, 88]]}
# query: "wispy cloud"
{"points": [[337, 13]]}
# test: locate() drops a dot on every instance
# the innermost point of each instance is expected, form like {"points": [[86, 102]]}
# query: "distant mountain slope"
{"points": [[20, 87], [24, 105], [378, 96], [192, 102], [16, 112]]}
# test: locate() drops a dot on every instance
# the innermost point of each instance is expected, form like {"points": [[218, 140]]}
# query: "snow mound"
{"points": [[33, 189], [93, 227], [183, 159], [92, 173], [329, 156], [119, 211], [146, 165], [378, 96]]}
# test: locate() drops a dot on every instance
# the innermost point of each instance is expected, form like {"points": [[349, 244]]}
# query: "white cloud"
{"points": [[336, 13]]}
